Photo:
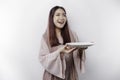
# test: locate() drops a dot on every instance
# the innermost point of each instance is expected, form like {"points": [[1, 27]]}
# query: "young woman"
{"points": [[61, 62]]}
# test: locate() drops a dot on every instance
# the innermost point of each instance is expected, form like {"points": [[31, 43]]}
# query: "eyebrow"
{"points": [[62, 13]]}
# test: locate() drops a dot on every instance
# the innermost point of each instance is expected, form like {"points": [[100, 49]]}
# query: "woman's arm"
{"points": [[52, 61]]}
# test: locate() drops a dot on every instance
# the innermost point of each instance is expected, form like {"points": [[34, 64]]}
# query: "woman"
{"points": [[61, 62]]}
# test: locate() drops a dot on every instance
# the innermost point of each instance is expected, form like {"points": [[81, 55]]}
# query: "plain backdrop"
{"points": [[22, 23]]}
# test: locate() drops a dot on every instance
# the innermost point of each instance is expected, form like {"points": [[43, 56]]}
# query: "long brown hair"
{"points": [[64, 31]]}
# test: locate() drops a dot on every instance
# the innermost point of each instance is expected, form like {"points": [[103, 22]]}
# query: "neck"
{"points": [[59, 36], [58, 31]]}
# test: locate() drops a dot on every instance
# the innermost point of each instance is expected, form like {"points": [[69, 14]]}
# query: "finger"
{"points": [[68, 47], [62, 47], [74, 48], [71, 50]]}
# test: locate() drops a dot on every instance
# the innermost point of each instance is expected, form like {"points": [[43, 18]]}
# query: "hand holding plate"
{"points": [[67, 49]]}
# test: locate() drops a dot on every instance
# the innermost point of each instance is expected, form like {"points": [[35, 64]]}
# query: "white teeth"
{"points": [[61, 22]]}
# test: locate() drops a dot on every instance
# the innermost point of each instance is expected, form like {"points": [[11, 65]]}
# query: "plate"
{"points": [[80, 44]]}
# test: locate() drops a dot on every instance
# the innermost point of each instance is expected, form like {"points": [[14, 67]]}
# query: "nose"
{"points": [[61, 17]]}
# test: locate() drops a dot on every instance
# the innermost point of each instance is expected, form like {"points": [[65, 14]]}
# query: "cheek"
{"points": [[54, 19], [65, 19]]}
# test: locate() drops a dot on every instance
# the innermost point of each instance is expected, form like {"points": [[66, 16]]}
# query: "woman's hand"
{"points": [[67, 49]]}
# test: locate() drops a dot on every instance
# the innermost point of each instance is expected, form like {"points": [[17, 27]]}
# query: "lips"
{"points": [[60, 22]]}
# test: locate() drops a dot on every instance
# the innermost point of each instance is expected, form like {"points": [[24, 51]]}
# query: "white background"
{"points": [[22, 23]]}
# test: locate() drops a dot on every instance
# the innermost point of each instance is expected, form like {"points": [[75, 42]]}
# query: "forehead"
{"points": [[59, 10]]}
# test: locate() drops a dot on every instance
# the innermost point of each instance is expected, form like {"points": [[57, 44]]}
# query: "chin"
{"points": [[60, 26]]}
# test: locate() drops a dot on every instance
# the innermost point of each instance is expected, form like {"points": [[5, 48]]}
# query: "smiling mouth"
{"points": [[61, 22]]}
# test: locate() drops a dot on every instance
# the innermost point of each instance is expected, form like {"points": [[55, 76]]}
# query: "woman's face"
{"points": [[59, 18]]}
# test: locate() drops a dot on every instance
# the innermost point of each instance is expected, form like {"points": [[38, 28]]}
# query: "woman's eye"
{"points": [[57, 14], [61, 15]]}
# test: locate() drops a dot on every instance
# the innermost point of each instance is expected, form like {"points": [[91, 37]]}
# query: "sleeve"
{"points": [[52, 62], [77, 59]]}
